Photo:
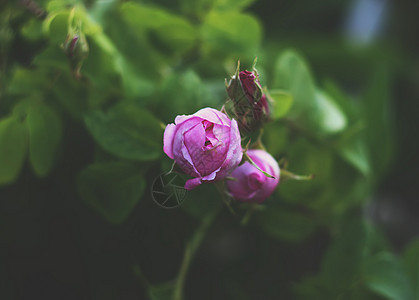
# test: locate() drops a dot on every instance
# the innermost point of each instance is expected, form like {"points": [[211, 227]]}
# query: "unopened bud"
{"points": [[76, 49], [250, 105]]}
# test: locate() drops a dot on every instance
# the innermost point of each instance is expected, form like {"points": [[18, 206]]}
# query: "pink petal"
{"points": [[265, 161], [193, 141], [256, 180], [213, 115], [193, 183], [239, 187], [182, 118], [206, 160], [234, 154], [251, 184], [209, 133], [180, 152], [169, 133], [211, 176]]}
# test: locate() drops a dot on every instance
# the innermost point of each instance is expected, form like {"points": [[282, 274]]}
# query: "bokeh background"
{"points": [[86, 88]]}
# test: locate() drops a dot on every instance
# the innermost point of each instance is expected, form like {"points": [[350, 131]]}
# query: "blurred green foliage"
{"points": [[86, 89]]}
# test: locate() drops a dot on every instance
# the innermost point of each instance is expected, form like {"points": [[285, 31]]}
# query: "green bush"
{"points": [[86, 89]]}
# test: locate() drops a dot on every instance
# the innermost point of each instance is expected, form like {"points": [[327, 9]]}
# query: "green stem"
{"points": [[248, 214], [285, 174], [190, 250], [180, 281], [220, 186], [141, 278]]}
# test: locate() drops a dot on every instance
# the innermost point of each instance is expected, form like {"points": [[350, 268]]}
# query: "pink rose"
{"points": [[251, 185], [205, 145]]}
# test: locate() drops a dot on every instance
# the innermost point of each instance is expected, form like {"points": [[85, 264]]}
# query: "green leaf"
{"points": [[146, 16], [293, 75], [178, 34], [285, 224], [102, 66], [113, 189], [130, 40], [182, 93], [312, 108], [13, 135], [306, 158], [99, 11], [71, 94], [384, 274], [341, 275], [32, 30], [231, 32], [52, 57], [127, 131], [196, 8], [111, 69], [275, 138], [174, 31], [411, 265], [342, 262], [330, 119], [232, 4], [134, 85], [281, 103], [377, 241], [200, 8], [379, 121], [56, 25], [58, 5], [341, 99], [354, 151], [27, 82], [63, 19], [45, 132]]}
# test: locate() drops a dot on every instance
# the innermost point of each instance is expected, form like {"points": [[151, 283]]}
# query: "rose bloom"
{"points": [[205, 145], [250, 184]]}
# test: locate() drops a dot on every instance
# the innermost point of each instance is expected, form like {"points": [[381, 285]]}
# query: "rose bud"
{"points": [[250, 105], [251, 87], [251, 185], [76, 48], [205, 145]]}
